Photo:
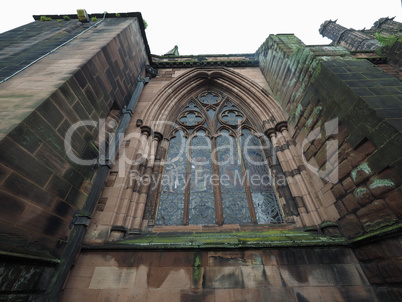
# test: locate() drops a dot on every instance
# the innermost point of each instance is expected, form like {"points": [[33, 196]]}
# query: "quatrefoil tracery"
{"points": [[210, 98], [191, 118], [232, 117]]}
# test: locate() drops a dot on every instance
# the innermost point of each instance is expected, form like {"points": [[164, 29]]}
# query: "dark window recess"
{"points": [[215, 169]]}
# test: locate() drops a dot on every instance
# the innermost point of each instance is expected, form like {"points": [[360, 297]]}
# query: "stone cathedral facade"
{"points": [[127, 176]]}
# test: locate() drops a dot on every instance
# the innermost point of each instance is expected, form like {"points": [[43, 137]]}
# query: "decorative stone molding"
{"points": [[249, 93]]}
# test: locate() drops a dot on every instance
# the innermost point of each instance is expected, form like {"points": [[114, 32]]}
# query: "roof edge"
{"points": [[110, 15]]}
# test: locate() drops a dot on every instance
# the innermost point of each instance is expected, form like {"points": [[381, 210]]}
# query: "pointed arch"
{"points": [[216, 187], [260, 106]]}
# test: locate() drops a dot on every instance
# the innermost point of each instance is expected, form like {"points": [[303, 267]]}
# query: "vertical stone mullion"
{"points": [[216, 185], [249, 196]]}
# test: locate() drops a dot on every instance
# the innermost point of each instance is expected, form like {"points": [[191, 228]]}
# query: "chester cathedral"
{"points": [[266, 176]]}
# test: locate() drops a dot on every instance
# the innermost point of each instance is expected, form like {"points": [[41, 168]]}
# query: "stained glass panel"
{"points": [[211, 113], [202, 208], [209, 99], [232, 117], [260, 181], [171, 208], [234, 199], [228, 105], [192, 159], [266, 207], [191, 106], [171, 202], [190, 118], [202, 205]]}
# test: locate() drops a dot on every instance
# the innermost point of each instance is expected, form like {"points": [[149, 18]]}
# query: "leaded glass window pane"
{"points": [[245, 193], [211, 113], [171, 202], [191, 106], [261, 185], [191, 119], [232, 117], [267, 208], [202, 204], [234, 199], [209, 99]]}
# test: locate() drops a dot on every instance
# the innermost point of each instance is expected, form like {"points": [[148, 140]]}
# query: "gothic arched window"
{"points": [[216, 169]]}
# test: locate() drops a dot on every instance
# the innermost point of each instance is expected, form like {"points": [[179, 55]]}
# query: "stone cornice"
{"points": [[196, 63]]}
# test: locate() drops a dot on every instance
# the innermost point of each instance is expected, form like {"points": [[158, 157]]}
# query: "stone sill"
{"points": [[278, 238], [228, 239]]}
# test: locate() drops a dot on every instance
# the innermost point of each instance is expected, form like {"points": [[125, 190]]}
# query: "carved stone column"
{"points": [[291, 169], [127, 195], [135, 221], [154, 192], [136, 174]]}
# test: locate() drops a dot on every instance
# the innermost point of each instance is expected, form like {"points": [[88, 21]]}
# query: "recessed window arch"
{"points": [[216, 171]]}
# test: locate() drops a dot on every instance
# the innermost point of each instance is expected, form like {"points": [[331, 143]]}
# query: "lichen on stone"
{"points": [[360, 191], [378, 182], [363, 167], [317, 110], [197, 268], [309, 121]]}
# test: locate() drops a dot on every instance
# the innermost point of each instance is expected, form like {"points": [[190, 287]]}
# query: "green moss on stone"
{"points": [[317, 110], [377, 233], [387, 41], [298, 110], [197, 268], [316, 74], [44, 18], [296, 114], [309, 122], [229, 239]]}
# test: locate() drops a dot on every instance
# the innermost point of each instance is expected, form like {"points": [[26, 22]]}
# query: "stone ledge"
{"points": [[188, 64], [245, 239], [249, 239]]}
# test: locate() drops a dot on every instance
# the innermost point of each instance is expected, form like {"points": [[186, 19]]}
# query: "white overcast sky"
{"points": [[217, 26]]}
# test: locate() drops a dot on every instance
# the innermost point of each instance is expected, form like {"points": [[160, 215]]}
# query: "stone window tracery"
{"points": [[215, 170]]}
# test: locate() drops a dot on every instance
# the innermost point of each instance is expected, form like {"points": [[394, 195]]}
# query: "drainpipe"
{"points": [[82, 218]]}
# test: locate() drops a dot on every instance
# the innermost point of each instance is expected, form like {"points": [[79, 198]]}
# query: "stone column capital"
{"points": [[270, 132], [158, 136], [146, 130], [281, 126]]}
